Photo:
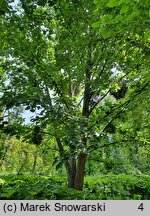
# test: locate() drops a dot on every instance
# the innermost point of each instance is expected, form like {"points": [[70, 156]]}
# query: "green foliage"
{"points": [[20, 156], [124, 17], [119, 187], [81, 68], [106, 187]]}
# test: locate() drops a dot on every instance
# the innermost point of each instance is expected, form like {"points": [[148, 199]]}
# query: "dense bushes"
{"points": [[119, 187], [108, 187]]}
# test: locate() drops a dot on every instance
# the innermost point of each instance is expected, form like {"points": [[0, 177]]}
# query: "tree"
{"points": [[77, 79]]}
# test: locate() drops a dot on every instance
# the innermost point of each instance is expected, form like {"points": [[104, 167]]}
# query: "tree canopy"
{"points": [[82, 67]]}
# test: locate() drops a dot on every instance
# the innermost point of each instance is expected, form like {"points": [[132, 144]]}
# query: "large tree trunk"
{"points": [[79, 179], [71, 172], [76, 175], [75, 172]]}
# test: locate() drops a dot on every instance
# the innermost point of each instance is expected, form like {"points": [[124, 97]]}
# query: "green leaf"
{"points": [[101, 4], [95, 1], [124, 9], [147, 34], [118, 18], [96, 24], [59, 165], [106, 19], [134, 15], [113, 3], [106, 33], [7, 193]]}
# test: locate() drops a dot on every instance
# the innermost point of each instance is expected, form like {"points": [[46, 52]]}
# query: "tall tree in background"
{"points": [[76, 67]]}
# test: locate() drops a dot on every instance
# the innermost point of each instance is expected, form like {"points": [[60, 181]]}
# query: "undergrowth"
{"points": [[106, 187]]}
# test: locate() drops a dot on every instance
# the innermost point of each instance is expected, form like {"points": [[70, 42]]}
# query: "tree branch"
{"points": [[94, 106]]}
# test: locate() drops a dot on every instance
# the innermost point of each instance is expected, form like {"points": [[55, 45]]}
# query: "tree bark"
{"points": [[77, 175], [79, 179], [71, 173], [75, 172]]}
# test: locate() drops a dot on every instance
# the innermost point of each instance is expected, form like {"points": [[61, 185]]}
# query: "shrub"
{"points": [[106, 187]]}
